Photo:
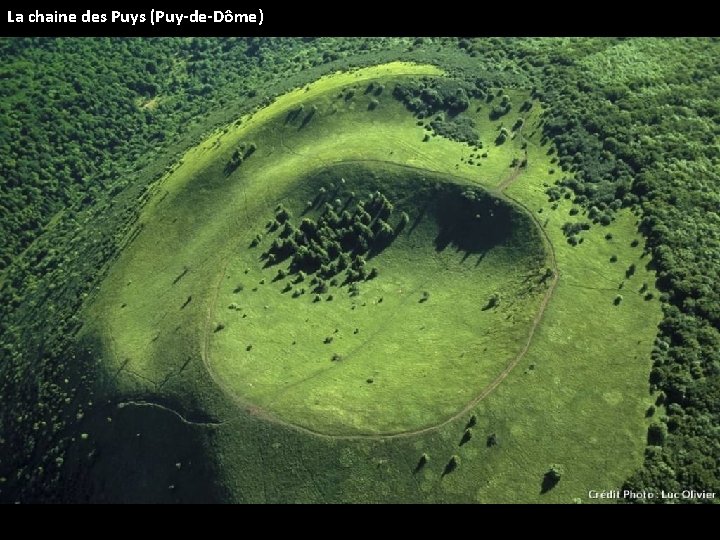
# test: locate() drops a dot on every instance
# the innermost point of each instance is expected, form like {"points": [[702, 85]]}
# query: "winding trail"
{"points": [[487, 390], [152, 404]]}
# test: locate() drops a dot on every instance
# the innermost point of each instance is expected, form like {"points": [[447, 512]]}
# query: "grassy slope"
{"points": [[581, 405]]}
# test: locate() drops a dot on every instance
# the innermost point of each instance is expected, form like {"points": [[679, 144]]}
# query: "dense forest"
{"points": [[88, 124]]}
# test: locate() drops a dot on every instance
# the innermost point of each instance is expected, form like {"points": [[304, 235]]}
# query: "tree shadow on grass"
{"points": [[549, 481], [472, 222]]}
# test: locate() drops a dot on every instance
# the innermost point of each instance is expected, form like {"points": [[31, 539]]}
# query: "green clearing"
{"points": [[575, 398]]}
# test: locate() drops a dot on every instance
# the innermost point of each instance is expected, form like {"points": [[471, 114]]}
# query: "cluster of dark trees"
{"points": [[240, 154], [432, 95], [345, 233], [446, 99]]}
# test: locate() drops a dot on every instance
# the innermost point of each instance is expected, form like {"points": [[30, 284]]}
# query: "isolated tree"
{"points": [[424, 458], [451, 465], [551, 477]]}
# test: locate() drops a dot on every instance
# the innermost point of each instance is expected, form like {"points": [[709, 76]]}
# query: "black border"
{"points": [[368, 19]]}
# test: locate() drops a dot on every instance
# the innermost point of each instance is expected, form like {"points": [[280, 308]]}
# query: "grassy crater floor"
{"points": [[453, 302]]}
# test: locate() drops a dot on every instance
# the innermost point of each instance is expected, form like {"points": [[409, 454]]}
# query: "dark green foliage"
{"points": [[256, 241], [551, 478], [657, 434], [424, 458], [467, 435], [457, 128], [429, 96], [492, 302], [334, 243], [498, 111], [281, 216], [451, 465], [573, 229], [618, 300]]}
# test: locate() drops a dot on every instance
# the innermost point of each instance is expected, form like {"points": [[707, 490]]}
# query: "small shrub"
{"points": [[492, 302], [554, 474], [453, 464], [618, 299], [492, 440]]}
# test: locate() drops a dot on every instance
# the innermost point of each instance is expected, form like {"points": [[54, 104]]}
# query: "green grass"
{"points": [[576, 398], [425, 359]]}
